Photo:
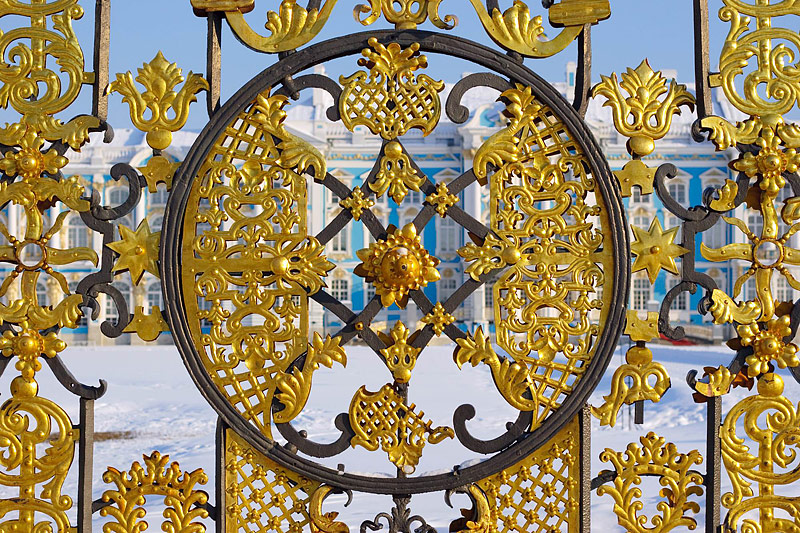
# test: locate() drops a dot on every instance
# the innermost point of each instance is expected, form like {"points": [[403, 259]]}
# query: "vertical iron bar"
{"points": [[713, 467], [638, 412], [102, 38], [214, 61], [219, 477], [701, 59], [85, 465], [583, 76], [585, 421]]}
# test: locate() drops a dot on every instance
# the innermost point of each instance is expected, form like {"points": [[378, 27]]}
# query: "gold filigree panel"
{"points": [[249, 264], [547, 222], [261, 496], [37, 446], [539, 494]]}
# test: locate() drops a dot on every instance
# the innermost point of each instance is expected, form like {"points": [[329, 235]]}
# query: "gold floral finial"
{"points": [[357, 203], [645, 115], [442, 199], [28, 345], [397, 265], [768, 345], [159, 78]]}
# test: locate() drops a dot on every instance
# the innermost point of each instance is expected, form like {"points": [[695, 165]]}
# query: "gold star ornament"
{"points": [[654, 249], [138, 251]]}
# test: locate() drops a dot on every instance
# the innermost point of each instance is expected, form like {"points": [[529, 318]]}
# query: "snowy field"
{"points": [[152, 404]]}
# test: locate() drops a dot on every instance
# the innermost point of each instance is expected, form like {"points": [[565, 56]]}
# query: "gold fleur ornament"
{"points": [[645, 114], [768, 345], [168, 110], [442, 199], [438, 318], [138, 251], [397, 265], [28, 345], [654, 249]]}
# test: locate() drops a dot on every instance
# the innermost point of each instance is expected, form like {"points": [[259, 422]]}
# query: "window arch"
{"points": [[156, 222], [159, 197], [679, 191], [77, 233], [111, 309], [41, 293], [117, 196], [154, 297]]}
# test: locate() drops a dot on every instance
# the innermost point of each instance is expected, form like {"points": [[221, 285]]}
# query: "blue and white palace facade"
{"points": [[442, 156]]}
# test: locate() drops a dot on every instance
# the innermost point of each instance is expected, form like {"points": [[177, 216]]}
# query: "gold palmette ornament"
{"points": [[397, 265], [158, 477], [655, 457]]}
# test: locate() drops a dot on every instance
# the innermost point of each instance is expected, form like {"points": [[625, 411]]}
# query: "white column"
{"points": [[474, 206]]}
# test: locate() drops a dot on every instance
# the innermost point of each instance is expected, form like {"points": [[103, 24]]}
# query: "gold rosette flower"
{"points": [[768, 345], [397, 265]]}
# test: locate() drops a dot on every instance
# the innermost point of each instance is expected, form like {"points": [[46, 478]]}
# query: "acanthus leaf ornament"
{"points": [[295, 386], [645, 115], [157, 477], [291, 27], [160, 78]]}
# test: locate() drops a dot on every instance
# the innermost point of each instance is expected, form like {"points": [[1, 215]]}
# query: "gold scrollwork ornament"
{"points": [[771, 422]]}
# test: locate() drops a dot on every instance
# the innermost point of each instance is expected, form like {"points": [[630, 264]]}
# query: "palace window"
{"points": [[681, 302], [641, 293], [448, 235], [340, 289], [447, 287], [678, 192], [77, 233], [111, 309], [159, 198], [154, 296], [340, 243]]}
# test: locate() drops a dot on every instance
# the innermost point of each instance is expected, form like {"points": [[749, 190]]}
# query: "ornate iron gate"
{"points": [[241, 269]]}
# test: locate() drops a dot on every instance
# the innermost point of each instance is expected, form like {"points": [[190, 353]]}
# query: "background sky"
{"points": [[660, 30]]}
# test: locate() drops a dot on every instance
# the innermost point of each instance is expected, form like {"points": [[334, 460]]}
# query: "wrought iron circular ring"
{"points": [[172, 252]]}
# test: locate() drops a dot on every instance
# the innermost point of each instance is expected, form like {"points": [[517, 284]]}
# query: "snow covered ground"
{"points": [[152, 404]]}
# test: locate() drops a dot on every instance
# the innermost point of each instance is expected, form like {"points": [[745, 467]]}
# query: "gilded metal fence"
{"points": [[241, 268]]}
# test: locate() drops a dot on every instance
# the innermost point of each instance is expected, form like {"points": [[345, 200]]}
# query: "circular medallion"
{"points": [[241, 265]]}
